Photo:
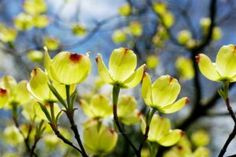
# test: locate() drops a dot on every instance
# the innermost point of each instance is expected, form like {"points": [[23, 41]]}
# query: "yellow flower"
{"points": [[98, 107], [40, 21], [136, 28], [121, 71], [162, 94], [224, 69], [8, 34], [184, 67], [119, 36], [98, 138], [202, 152], [152, 61], [160, 131], [200, 138], [125, 10], [13, 92], [35, 56], [34, 7], [126, 110], [23, 22], [184, 36], [79, 30], [69, 68], [51, 43], [38, 87]]}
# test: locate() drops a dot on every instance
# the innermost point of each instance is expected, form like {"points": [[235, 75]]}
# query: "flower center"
{"points": [[3, 92], [75, 57]]}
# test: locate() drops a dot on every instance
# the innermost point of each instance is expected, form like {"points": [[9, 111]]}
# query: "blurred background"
{"points": [[165, 34]]}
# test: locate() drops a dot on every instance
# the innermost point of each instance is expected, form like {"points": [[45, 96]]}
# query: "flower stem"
{"points": [[70, 115], [232, 114], [115, 96], [145, 136]]}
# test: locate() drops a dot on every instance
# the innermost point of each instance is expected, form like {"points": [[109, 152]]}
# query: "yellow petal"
{"points": [[86, 108], [127, 110], [207, 68], [147, 89], [122, 64], [165, 90], [202, 152], [171, 108], [99, 139], [102, 70], [38, 85], [68, 68], [171, 138], [8, 82], [108, 139], [159, 127], [225, 61], [47, 60], [21, 94], [101, 106], [135, 78]]}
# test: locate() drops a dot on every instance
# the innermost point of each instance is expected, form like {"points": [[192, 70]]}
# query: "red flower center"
{"points": [[3, 92], [75, 57]]}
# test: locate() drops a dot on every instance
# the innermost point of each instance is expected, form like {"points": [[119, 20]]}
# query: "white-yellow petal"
{"points": [[207, 68], [165, 90], [171, 138], [102, 70], [159, 127], [122, 64], [226, 61], [147, 89], [171, 108], [135, 78], [70, 68]]}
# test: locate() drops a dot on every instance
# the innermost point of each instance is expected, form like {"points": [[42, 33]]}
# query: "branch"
{"points": [[60, 136], [233, 133]]}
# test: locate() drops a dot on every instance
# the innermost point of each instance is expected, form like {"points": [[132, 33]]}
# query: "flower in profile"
{"points": [[162, 94], [224, 69], [12, 92], [39, 89], [68, 68], [127, 110], [98, 138], [98, 107], [122, 65], [160, 131]]}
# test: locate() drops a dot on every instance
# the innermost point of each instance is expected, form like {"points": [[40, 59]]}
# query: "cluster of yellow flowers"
{"points": [[58, 81]]}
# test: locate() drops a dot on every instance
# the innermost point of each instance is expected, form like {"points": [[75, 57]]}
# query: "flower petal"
{"points": [[171, 108], [102, 70], [171, 138], [165, 90], [135, 78], [68, 68], [127, 110], [226, 61], [207, 68], [147, 89], [100, 106], [159, 127], [122, 64], [38, 85]]}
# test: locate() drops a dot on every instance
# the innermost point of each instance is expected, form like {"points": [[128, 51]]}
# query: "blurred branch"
{"points": [[90, 34]]}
